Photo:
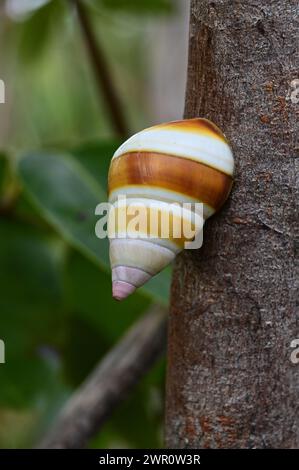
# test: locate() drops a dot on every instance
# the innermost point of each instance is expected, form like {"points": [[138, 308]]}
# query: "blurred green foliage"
{"points": [[35, 32], [57, 315]]}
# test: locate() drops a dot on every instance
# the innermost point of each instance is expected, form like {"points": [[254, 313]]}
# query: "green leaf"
{"points": [[30, 288], [139, 6], [66, 195], [32, 319]]}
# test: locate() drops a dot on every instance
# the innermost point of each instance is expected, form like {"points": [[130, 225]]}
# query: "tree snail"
{"points": [[156, 179]]}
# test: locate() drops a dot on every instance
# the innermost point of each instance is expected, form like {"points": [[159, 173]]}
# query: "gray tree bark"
{"points": [[231, 382]]}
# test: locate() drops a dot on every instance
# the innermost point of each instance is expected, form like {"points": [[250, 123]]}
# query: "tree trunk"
{"points": [[231, 382]]}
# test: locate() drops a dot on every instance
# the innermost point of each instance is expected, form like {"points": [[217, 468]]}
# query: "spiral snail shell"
{"points": [[187, 161]]}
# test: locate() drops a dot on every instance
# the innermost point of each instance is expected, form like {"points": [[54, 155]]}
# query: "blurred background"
{"points": [[63, 117]]}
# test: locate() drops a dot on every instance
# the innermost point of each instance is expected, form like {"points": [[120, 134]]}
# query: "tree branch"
{"points": [[102, 74], [109, 383]]}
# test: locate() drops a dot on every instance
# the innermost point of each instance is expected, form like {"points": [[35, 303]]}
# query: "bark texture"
{"points": [[231, 382]]}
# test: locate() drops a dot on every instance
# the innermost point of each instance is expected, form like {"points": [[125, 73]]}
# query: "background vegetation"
{"points": [[57, 135]]}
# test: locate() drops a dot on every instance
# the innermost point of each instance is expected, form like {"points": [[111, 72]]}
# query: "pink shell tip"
{"points": [[121, 290]]}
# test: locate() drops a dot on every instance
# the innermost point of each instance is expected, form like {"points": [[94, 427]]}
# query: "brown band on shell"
{"points": [[181, 175]]}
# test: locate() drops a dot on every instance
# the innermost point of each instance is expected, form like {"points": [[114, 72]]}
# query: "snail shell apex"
{"points": [[181, 161]]}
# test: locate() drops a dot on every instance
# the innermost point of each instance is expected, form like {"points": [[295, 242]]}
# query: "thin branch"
{"points": [[102, 74], [109, 383]]}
